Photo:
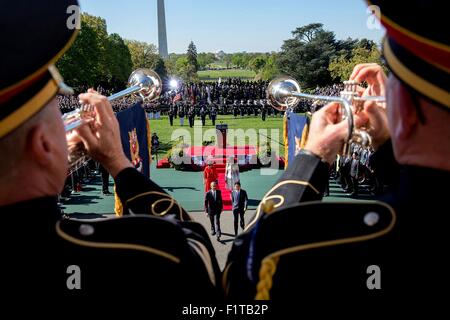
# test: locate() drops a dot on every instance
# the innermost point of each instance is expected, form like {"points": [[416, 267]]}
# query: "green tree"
{"points": [[160, 68], [191, 56], [96, 58], [98, 24], [228, 60], [341, 67], [185, 70], [237, 59], [170, 64], [118, 61], [143, 55], [306, 57], [205, 59], [270, 69], [82, 64], [257, 63], [242, 59]]}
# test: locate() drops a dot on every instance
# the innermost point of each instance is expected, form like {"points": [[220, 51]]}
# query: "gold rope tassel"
{"points": [[266, 272], [118, 207]]}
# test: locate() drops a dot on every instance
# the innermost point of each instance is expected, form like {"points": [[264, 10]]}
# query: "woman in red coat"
{"points": [[209, 175]]}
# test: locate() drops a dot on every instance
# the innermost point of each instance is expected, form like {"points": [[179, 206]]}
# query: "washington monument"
{"points": [[162, 33]]}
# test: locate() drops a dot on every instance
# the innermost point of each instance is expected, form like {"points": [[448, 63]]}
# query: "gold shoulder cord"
{"points": [[111, 245], [270, 262], [277, 196], [166, 198]]}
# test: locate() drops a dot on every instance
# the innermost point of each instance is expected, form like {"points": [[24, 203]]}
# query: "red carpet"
{"points": [[220, 168], [163, 164], [219, 157], [213, 151]]}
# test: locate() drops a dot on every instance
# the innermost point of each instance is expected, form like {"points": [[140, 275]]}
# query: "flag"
{"points": [[295, 134], [135, 136], [177, 97], [193, 94]]}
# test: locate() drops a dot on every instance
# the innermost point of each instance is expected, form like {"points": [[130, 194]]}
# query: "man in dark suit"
{"points": [[239, 200], [213, 207], [171, 113]]}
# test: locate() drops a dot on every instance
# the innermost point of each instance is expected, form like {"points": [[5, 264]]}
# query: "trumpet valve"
{"points": [[350, 93], [350, 90]]}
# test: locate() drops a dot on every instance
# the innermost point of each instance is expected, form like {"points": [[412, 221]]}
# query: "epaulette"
{"points": [[168, 239], [138, 233], [311, 226]]}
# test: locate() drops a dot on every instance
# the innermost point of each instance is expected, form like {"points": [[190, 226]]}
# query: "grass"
{"points": [[213, 75], [166, 133], [218, 64]]}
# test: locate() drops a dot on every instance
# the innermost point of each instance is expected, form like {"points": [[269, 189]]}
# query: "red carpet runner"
{"points": [[219, 156], [220, 168]]}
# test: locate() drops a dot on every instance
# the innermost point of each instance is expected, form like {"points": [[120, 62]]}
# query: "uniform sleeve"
{"points": [[304, 180], [385, 165], [140, 195]]}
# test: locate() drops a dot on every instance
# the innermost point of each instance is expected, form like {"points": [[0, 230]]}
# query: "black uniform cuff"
{"points": [[304, 180], [311, 168]]}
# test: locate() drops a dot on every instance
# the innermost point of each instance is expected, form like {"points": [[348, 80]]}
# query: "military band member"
{"points": [[269, 110], [371, 253], [235, 109], [191, 116], [175, 110], [263, 111], [181, 114], [249, 108], [171, 113], [161, 255], [213, 115], [203, 115]]}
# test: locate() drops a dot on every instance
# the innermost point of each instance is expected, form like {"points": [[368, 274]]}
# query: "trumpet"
{"points": [[284, 93], [143, 83]]}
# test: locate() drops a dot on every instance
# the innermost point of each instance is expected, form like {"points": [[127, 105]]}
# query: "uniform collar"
{"points": [[420, 185], [39, 209], [413, 178]]}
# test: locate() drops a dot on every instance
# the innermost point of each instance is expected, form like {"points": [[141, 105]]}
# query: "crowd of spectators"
{"points": [[232, 96]]}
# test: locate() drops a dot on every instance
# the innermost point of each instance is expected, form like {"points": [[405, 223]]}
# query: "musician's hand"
{"points": [[101, 137], [73, 140], [375, 77], [373, 116], [327, 132]]}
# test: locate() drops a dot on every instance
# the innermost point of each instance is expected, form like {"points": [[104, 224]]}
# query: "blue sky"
{"points": [[231, 25]]}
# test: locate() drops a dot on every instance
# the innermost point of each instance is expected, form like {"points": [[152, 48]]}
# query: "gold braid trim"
{"points": [[268, 196], [269, 263], [268, 269]]}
